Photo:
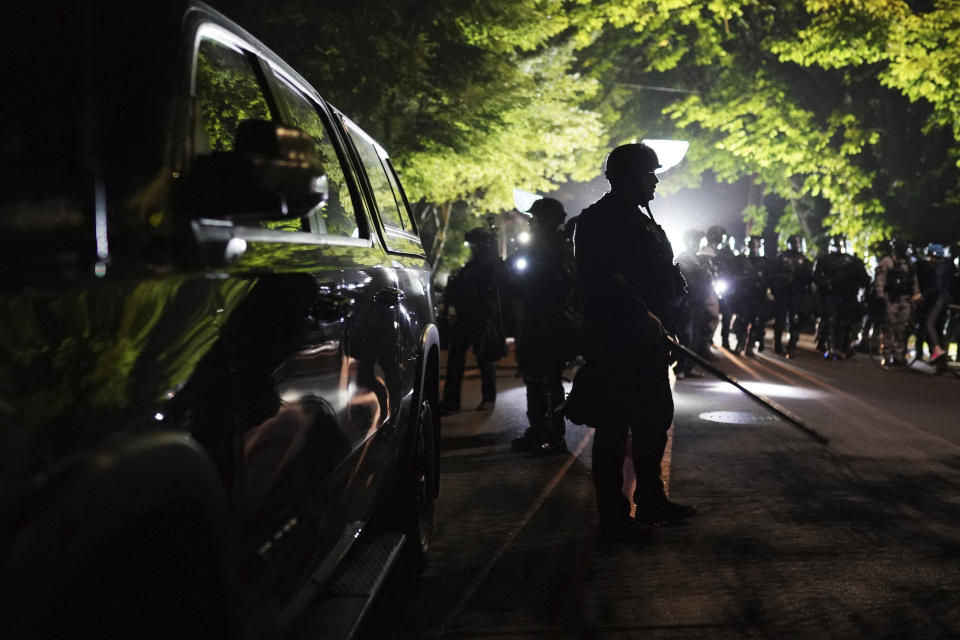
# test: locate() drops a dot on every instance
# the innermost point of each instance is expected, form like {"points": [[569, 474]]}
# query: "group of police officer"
{"points": [[534, 296], [744, 291], [606, 287], [600, 287]]}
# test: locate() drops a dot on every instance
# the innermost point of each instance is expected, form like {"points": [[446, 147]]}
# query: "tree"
{"points": [[833, 109], [471, 98], [820, 139], [914, 49]]}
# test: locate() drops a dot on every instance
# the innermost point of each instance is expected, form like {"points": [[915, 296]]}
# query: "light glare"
{"points": [[669, 152], [523, 200], [769, 389]]}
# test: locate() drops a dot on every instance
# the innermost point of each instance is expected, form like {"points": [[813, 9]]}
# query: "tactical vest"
{"points": [[899, 279]]}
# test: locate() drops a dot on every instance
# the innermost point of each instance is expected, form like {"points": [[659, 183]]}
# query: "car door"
{"points": [[394, 223], [363, 300], [309, 347]]}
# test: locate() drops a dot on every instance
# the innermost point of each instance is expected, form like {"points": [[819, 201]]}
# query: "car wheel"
{"points": [[418, 500]]}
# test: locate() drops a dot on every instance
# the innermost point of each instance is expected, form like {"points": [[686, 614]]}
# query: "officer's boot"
{"points": [[555, 442], [777, 343], [739, 330], [792, 344], [820, 336], [759, 337]]}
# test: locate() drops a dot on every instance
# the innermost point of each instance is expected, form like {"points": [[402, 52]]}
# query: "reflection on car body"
{"points": [[218, 363]]}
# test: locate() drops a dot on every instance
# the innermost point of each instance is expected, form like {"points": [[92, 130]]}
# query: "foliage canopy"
{"points": [[844, 110]]}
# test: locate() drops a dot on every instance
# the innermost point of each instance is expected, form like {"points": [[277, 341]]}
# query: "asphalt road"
{"points": [[859, 538]]}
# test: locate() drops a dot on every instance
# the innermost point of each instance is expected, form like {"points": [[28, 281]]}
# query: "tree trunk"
{"points": [[805, 215], [442, 214]]}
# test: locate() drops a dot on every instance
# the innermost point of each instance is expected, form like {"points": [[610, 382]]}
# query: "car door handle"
{"points": [[389, 297]]}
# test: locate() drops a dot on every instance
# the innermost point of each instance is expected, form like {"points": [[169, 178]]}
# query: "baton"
{"points": [[765, 401]]}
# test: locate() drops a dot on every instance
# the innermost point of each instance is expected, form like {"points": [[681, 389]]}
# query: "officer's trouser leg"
{"points": [[895, 327], [544, 395], [740, 325], [558, 424], [609, 451], [686, 332], [933, 324], [757, 331], [725, 319], [711, 320], [538, 414], [793, 317], [829, 321], [650, 440], [456, 357], [488, 380], [779, 326]]}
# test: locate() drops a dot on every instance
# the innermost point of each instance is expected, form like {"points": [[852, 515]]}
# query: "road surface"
{"points": [[859, 538]]}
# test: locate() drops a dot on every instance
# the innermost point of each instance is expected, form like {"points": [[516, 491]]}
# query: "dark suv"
{"points": [[218, 362]]}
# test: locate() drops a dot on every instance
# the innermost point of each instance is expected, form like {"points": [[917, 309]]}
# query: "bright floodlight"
{"points": [[523, 237], [670, 152], [523, 200]]}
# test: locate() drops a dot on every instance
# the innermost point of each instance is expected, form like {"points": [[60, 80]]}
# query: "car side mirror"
{"points": [[273, 173]]}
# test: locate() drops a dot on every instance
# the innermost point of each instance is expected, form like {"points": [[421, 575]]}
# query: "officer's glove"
{"points": [[673, 350]]}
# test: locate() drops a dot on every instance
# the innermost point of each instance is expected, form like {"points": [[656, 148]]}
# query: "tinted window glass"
{"points": [[398, 196], [227, 92], [386, 204], [337, 216]]}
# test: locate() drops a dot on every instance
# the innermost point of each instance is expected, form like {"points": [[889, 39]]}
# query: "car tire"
{"points": [[418, 491]]}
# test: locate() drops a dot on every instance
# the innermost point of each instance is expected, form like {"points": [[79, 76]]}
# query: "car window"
{"points": [[398, 196], [227, 92], [386, 204], [337, 216]]}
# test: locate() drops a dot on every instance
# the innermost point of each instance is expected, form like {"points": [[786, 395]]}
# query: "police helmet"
{"points": [[716, 235], [480, 236], [548, 211], [691, 240], [797, 243], [899, 247], [935, 250], [622, 163], [838, 244], [754, 245]]}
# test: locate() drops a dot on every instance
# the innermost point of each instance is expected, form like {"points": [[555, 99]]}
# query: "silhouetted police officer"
{"points": [[791, 294], [725, 269], [738, 276], [896, 284], [472, 301], [754, 308], [936, 295], [543, 278], [692, 309], [627, 279], [839, 277]]}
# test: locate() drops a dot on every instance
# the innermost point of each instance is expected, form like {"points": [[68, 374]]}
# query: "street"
{"points": [[858, 538]]}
